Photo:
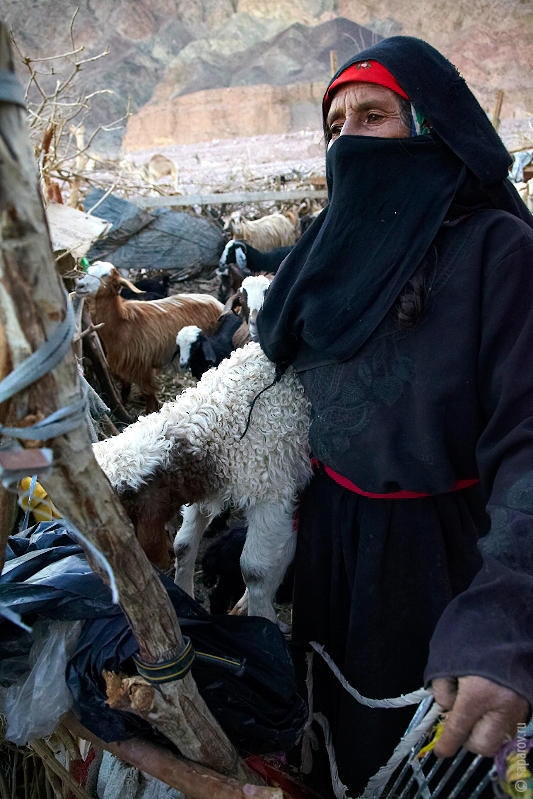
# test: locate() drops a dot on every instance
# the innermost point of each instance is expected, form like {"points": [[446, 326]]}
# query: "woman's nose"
{"points": [[350, 127]]}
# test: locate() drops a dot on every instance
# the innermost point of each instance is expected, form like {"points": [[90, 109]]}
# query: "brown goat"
{"points": [[139, 337]]}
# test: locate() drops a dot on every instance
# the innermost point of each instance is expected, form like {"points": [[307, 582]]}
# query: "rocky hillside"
{"points": [[205, 69]]}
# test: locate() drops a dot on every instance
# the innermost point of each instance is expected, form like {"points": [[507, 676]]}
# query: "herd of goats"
{"points": [[235, 442]]}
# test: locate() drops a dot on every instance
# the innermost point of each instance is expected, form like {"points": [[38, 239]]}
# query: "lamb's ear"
{"points": [[125, 282], [208, 351]]}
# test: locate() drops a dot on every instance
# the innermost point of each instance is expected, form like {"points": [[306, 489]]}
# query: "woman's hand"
{"points": [[481, 714]]}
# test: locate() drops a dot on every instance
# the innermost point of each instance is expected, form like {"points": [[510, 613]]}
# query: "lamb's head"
{"points": [[101, 276], [156, 465], [136, 462], [186, 337]]}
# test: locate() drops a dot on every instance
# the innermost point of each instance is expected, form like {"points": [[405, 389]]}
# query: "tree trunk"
{"points": [[32, 303]]}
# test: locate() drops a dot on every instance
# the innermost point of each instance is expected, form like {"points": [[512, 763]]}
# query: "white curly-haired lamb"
{"points": [[238, 437]]}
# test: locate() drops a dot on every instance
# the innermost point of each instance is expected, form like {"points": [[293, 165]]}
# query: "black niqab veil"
{"points": [[387, 201]]}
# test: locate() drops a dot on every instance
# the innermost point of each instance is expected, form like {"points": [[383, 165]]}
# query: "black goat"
{"points": [[239, 259], [199, 351], [152, 288]]}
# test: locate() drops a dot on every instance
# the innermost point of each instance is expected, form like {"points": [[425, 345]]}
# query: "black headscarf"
{"points": [[387, 201]]}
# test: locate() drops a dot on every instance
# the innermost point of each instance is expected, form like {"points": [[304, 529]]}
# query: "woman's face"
{"points": [[366, 109]]}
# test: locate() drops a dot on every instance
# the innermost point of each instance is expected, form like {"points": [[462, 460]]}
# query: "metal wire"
{"points": [[465, 776]]}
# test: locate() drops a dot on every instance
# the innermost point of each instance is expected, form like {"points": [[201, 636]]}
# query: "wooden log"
{"points": [[195, 781], [33, 302], [230, 198], [8, 514], [8, 499]]}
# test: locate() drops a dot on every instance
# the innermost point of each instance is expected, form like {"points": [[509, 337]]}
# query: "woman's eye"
{"points": [[335, 129]]}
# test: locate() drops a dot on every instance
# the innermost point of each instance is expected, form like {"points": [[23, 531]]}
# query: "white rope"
{"points": [[45, 358], [404, 700], [413, 735], [98, 556], [64, 420], [376, 784], [309, 739], [339, 789], [29, 495]]}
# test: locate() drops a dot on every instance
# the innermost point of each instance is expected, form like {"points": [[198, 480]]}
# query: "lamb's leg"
{"points": [[240, 608], [186, 545], [268, 550]]}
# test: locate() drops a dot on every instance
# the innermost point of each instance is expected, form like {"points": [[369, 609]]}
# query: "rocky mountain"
{"points": [[214, 69]]}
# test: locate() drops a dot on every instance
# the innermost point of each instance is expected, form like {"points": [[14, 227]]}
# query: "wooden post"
{"points": [[333, 62], [32, 303], [497, 109], [92, 349]]}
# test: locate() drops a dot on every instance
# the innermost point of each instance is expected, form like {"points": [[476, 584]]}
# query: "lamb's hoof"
{"points": [[241, 607]]}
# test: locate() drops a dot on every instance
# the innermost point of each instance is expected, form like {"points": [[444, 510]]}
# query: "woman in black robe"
{"points": [[407, 310]]}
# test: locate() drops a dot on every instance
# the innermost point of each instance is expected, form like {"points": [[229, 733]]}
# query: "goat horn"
{"points": [[125, 282]]}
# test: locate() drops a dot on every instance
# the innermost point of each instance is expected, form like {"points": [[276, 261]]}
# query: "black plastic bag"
{"points": [[182, 241], [243, 667]]}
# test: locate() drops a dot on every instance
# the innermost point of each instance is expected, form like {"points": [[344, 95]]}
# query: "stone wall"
{"points": [[225, 114]]}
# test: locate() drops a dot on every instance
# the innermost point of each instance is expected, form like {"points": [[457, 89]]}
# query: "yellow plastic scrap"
{"points": [[438, 728], [39, 503]]}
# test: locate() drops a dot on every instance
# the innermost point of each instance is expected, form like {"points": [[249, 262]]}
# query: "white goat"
{"points": [[253, 290], [139, 337], [211, 448], [274, 230]]}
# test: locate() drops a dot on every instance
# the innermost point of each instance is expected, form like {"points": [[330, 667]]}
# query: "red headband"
{"points": [[364, 72]]}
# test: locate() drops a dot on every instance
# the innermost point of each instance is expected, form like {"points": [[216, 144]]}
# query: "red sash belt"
{"points": [[345, 483]]}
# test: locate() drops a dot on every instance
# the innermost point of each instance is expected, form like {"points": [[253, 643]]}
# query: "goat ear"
{"points": [[125, 282], [208, 351], [240, 257], [236, 302]]}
